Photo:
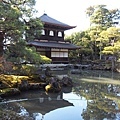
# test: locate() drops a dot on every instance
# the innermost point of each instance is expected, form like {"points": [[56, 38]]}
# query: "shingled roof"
{"points": [[58, 45], [51, 21]]}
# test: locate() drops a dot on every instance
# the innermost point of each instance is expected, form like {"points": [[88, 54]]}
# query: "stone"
{"points": [[67, 81], [53, 85], [10, 92], [24, 85], [47, 72]]}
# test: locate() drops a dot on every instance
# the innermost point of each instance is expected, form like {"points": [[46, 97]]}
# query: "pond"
{"points": [[95, 96]]}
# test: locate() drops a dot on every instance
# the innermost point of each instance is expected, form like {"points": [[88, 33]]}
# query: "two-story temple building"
{"points": [[51, 43]]}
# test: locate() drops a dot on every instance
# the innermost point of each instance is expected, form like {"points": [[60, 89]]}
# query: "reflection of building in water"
{"points": [[41, 103], [50, 96], [54, 96], [41, 100], [46, 103]]}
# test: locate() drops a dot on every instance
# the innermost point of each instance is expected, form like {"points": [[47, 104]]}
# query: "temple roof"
{"points": [[58, 45], [51, 21]]}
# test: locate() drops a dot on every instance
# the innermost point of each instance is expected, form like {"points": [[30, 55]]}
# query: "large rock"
{"points": [[35, 86], [24, 85], [67, 81], [51, 88], [53, 85], [48, 72], [42, 78], [75, 71], [9, 92], [4, 84]]}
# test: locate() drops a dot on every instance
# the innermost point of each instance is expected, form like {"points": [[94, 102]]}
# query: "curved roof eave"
{"points": [[62, 26], [54, 45], [51, 21]]}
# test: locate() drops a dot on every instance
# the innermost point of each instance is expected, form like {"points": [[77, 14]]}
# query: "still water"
{"points": [[95, 96]]}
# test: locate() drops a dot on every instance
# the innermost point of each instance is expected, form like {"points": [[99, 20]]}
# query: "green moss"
{"points": [[9, 81]]}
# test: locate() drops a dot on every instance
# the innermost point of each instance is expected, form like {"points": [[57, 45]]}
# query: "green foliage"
{"points": [[10, 24], [33, 29], [18, 25], [100, 15], [102, 30], [97, 40], [80, 39], [108, 50], [113, 33], [90, 11], [16, 20], [28, 69], [45, 59], [113, 50], [19, 53]]}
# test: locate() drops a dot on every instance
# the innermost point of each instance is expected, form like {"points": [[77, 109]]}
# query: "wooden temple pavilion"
{"points": [[51, 43]]}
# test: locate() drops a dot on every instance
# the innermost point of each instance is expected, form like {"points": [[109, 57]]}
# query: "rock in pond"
{"points": [[9, 92]]}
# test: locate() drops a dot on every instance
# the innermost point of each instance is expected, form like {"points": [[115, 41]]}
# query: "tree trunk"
{"points": [[1, 43]]}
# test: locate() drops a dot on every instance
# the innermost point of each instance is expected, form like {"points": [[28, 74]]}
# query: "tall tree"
{"points": [[100, 19], [94, 32], [100, 15], [80, 39], [113, 47], [18, 24]]}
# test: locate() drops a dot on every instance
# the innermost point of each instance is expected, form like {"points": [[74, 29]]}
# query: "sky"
{"points": [[72, 12]]}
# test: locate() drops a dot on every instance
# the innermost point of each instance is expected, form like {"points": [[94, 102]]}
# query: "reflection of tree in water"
{"points": [[100, 100]]}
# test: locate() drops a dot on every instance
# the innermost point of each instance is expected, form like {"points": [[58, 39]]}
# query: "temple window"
{"points": [[42, 32], [59, 53], [59, 34], [65, 54], [51, 33]]}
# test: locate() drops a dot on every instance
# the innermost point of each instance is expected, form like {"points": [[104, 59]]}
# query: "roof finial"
{"points": [[44, 13]]}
